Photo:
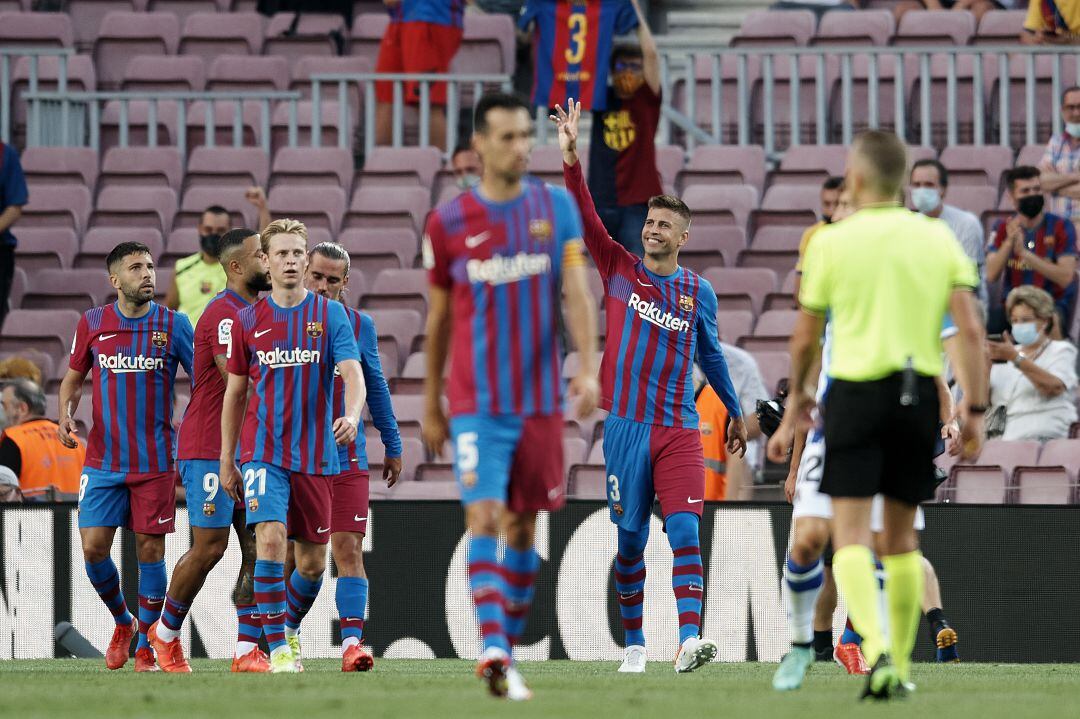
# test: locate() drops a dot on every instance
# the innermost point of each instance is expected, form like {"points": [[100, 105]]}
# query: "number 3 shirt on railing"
{"points": [[572, 41]]}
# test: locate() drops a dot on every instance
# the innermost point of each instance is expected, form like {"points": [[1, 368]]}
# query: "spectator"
{"points": [[1033, 247], [622, 150], [818, 7], [423, 37], [1034, 376], [1061, 162], [19, 367], [13, 195], [978, 8], [929, 182], [9, 486], [726, 475], [830, 198], [465, 163], [199, 277], [1056, 23], [30, 446]]}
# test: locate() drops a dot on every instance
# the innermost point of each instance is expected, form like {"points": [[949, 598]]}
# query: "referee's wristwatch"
{"points": [[1018, 358]]}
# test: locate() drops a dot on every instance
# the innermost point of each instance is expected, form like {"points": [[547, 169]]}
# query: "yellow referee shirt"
{"points": [[197, 283], [884, 276]]}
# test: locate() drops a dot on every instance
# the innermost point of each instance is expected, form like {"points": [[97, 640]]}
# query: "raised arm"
{"points": [[648, 50]]}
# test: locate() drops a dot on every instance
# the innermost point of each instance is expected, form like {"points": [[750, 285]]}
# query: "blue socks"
{"points": [[351, 599], [300, 594], [106, 581], [152, 585], [687, 573], [270, 596], [630, 582], [519, 573], [486, 583]]}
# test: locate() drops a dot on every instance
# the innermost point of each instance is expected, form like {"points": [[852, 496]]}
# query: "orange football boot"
{"points": [[357, 658], [851, 658], [254, 662], [116, 655], [170, 655], [144, 660]]}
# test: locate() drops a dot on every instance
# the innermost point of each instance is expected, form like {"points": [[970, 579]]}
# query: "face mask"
{"points": [[467, 181], [209, 244], [627, 83], [925, 199], [827, 219], [1030, 206], [1073, 128], [1025, 333]]}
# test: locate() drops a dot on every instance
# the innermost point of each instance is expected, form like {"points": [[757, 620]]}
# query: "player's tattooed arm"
{"points": [[70, 394], [232, 410]]}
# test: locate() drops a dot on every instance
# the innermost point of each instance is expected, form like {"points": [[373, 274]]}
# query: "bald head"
{"points": [[877, 167]]}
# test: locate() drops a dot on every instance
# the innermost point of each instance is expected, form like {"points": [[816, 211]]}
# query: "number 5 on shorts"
{"points": [[467, 455]]}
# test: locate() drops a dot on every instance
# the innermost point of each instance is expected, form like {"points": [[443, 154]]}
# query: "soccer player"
{"points": [[328, 276], [134, 347], [287, 345], [498, 256], [886, 278], [659, 317], [211, 510]]}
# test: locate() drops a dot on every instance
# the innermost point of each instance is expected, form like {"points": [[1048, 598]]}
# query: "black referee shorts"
{"points": [[875, 445]]}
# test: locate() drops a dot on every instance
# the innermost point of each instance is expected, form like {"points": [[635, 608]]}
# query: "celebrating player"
{"points": [[659, 316], [210, 510], [288, 346], [498, 255], [134, 345], [328, 276]]}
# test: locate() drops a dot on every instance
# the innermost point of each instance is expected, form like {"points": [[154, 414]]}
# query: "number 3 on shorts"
{"points": [[613, 491], [250, 476], [467, 455]]}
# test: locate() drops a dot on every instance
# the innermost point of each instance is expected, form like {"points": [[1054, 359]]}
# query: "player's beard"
{"points": [[136, 295], [260, 282]]}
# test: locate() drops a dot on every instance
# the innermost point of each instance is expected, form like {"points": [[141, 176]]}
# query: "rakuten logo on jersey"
{"points": [[122, 364], [650, 312], [502, 270], [288, 358]]}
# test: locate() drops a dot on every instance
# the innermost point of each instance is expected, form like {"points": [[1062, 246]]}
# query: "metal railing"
{"points": [[34, 55], [765, 78], [457, 87], [52, 115]]}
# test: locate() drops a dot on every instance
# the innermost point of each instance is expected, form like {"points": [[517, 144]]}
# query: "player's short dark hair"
{"points": [[215, 210], [833, 182], [461, 147], [232, 239], [942, 173], [626, 51], [1021, 172], [123, 250], [887, 155], [670, 202], [1066, 91], [495, 101], [30, 392], [332, 251]]}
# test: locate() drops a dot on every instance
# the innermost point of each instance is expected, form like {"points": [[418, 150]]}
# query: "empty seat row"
{"points": [[1024, 472]]}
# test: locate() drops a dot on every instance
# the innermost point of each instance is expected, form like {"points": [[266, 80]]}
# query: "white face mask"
{"points": [[1073, 128], [1025, 333], [925, 199]]}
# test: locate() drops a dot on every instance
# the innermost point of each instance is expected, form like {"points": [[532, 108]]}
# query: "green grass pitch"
{"points": [[442, 689]]}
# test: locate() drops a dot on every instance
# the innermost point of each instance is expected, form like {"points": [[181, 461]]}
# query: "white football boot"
{"points": [[694, 653], [634, 663]]}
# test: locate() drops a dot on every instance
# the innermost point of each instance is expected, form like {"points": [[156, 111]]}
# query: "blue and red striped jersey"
{"points": [[656, 327], [1054, 238], [354, 456], [290, 355], [438, 12], [134, 363], [200, 432], [572, 41], [502, 263]]}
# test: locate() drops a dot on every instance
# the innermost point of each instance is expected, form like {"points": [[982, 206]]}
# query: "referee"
{"points": [[886, 278]]}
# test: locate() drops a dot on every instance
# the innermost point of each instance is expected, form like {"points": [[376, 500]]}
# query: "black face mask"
{"points": [[209, 244], [827, 219], [1030, 206]]}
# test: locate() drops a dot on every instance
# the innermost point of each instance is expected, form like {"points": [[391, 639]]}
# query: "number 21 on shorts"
{"points": [[251, 477]]}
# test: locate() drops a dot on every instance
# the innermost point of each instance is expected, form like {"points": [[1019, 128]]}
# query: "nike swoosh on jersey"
{"points": [[260, 333], [472, 241], [644, 284], [106, 337]]}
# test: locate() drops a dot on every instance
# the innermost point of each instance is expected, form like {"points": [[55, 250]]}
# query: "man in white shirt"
{"points": [[929, 181]]}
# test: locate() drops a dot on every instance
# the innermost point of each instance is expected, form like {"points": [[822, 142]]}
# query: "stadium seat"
{"points": [[1000, 27], [99, 242], [741, 288], [305, 67], [973, 198], [669, 162], [772, 331], [197, 199], [164, 73], [222, 121], [312, 34], [1054, 480], [388, 207], [596, 454], [57, 206], [142, 167], [138, 123], [398, 289], [75, 289], [135, 207], [734, 324], [846, 29], [367, 33], [546, 163], [243, 72], [400, 326], [366, 245], [587, 481], [976, 164], [935, 27], [313, 166], [49, 331], [720, 204], [80, 77], [316, 206], [775, 247], [1045, 96], [976, 485], [712, 246], [184, 9], [724, 164], [487, 45], [410, 166], [86, 17], [35, 29], [227, 167], [412, 455], [60, 166], [772, 28], [806, 67], [778, 237], [328, 124], [774, 366], [809, 165], [787, 205], [126, 34], [210, 35], [42, 248], [1030, 155]]}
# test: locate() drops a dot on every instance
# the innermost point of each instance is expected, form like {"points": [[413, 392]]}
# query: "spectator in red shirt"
{"points": [[1033, 247], [622, 150]]}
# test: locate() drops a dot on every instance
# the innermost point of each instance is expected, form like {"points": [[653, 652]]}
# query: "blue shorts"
{"points": [[145, 503], [299, 501], [514, 460], [644, 461], [208, 505]]}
